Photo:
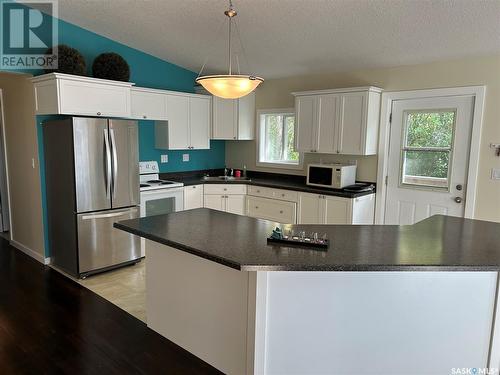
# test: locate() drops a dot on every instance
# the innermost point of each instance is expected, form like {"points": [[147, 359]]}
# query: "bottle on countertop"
{"points": [[244, 170]]}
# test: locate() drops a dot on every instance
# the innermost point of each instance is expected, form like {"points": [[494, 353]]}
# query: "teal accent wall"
{"points": [[147, 71]]}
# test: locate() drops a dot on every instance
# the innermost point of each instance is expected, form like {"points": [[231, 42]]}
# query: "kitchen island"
{"points": [[417, 299]]}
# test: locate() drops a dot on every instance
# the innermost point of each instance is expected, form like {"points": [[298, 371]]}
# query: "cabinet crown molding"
{"points": [[71, 77], [339, 90]]}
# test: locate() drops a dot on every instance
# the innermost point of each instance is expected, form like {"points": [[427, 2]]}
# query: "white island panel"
{"points": [[202, 306], [374, 322]]}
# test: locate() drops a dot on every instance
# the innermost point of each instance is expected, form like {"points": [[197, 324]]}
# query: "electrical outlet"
{"points": [[185, 157], [164, 158], [495, 173]]}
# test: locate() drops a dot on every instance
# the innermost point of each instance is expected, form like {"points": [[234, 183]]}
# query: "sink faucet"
{"points": [[225, 171]]}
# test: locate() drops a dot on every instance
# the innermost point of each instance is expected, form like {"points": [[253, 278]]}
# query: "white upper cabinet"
{"points": [[199, 122], [187, 125], [234, 118], [305, 115], [183, 120], [328, 112], [341, 121], [148, 104], [67, 94], [225, 118]]}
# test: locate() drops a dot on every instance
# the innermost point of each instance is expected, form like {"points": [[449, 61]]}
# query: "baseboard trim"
{"points": [[30, 252]]}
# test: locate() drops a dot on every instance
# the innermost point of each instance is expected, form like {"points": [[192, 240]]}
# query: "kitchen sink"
{"points": [[225, 178]]}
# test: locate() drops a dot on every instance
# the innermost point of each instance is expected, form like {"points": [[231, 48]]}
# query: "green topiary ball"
{"points": [[69, 61], [112, 66]]}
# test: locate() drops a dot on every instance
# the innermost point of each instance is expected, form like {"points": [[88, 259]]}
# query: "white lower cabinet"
{"points": [[282, 206], [235, 204], [193, 197], [215, 202], [227, 198], [309, 208], [325, 209], [271, 209]]}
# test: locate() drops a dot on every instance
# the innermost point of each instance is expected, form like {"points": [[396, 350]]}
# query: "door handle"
{"points": [[108, 162], [105, 216], [115, 161], [457, 199]]}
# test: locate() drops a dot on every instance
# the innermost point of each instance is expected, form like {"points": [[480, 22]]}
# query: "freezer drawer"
{"points": [[100, 245]]}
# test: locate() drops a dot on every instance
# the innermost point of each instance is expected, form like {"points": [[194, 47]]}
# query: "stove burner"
{"points": [[144, 185], [155, 181], [167, 183]]}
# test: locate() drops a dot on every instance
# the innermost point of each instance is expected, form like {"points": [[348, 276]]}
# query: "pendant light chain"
{"points": [[230, 21]]}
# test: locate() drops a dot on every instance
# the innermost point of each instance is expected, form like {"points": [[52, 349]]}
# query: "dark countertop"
{"points": [[272, 180], [439, 243]]}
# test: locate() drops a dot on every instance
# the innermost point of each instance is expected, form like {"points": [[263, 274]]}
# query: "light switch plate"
{"points": [[495, 173], [164, 158], [185, 157]]}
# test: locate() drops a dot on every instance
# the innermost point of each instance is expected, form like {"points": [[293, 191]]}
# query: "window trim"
{"points": [[258, 138]]}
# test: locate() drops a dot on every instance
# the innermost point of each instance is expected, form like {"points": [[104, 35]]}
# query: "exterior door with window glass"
{"points": [[428, 158]]}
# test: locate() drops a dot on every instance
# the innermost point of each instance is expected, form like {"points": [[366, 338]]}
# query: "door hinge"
{"points": [[390, 118], [386, 179]]}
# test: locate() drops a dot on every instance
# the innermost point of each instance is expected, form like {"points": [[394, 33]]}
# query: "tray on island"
{"points": [[298, 242]]}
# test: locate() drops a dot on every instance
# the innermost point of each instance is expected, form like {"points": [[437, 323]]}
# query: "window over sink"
{"points": [[276, 139]]}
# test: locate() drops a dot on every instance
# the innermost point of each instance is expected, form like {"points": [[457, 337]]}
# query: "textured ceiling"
{"points": [[292, 37]]}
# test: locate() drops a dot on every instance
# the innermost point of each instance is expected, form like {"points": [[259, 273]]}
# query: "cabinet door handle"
{"points": [[283, 194], [256, 207], [281, 211], [225, 189]]}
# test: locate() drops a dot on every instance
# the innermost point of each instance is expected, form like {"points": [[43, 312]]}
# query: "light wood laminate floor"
{"points": [[124, 287]]}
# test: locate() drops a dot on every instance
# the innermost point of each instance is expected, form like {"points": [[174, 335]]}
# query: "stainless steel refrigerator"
{"points": [[92, 180]]}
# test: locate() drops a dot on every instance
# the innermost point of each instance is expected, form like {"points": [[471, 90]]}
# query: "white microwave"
{"points": [[336, 176]]}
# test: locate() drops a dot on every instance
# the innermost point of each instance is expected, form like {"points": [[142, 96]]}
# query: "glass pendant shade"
{"points": [[230, 86]]}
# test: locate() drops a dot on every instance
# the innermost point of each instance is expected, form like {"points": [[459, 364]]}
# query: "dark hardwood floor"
{"points": [[51, 325]]}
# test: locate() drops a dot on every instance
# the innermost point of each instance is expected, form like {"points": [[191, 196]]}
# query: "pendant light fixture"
{"points": [[229, 86]]}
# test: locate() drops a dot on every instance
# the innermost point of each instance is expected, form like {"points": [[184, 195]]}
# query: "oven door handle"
{"points": [[165, 192]]}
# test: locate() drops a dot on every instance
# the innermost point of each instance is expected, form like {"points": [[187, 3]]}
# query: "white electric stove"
{"points": [[158, 196]]}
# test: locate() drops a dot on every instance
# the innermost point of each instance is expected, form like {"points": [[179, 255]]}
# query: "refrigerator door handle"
{"points": [[115, 161], [108, 215], [108, 163]]}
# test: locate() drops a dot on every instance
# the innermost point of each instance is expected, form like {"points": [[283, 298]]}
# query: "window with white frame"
{"points": [[276, 130]]}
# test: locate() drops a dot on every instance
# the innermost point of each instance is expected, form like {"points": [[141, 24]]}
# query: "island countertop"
{"points": [[439, 243]]}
